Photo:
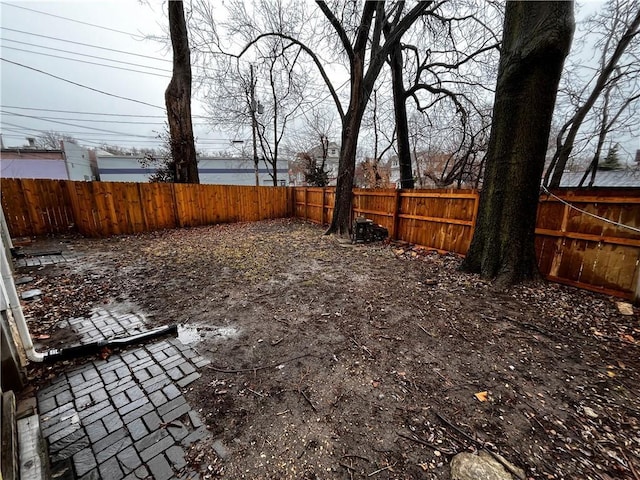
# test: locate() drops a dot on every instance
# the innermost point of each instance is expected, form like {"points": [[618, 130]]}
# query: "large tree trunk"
{"points": [[178, 100], [537, 38], [360, 92], [400, 110]]}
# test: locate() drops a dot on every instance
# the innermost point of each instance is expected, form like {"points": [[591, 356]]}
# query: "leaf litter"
{"points": [[370, 360]]}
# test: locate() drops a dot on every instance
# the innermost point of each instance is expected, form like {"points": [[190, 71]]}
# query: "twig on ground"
{"points": [[283, 412], [425, 330], [457, 331], [259, 367], [631, 467], [256, 393], [356, 456], [414, 438], [304, 395], [351, 469], [388, 467]]}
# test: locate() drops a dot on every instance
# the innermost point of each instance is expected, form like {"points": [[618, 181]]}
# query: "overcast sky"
{"points": [[29, 27], [35, 34]]}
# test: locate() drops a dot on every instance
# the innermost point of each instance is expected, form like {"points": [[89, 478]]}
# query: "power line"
{"points": [[82, 54], [92, 120], [79, 126], [86, 113], [137, 35], [81, 85], [85, 44], [87, 62]]}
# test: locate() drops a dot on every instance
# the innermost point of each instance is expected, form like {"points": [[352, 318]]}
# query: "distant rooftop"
{"points": [[628, 177]]}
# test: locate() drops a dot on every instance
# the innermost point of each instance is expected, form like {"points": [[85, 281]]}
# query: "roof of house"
{"points": [[628, 177]]}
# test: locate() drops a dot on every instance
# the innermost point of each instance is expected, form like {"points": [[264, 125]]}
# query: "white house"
{"points": [[211, 170]]}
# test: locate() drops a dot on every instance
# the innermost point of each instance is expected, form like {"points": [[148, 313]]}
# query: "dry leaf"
{"points": [[611, 373], [625, 308], [482, 396], [375, 384], [628, 338]]}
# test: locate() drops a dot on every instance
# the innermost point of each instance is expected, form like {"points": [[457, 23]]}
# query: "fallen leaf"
{"points": [[105, 353], [611, 373], [625, 308], [482, 396], [628, 338]]}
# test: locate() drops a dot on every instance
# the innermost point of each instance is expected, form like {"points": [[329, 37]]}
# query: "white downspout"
{"points": [[16, 309]]}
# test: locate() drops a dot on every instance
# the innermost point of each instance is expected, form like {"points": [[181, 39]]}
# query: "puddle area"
{"points": [[189, 334]]}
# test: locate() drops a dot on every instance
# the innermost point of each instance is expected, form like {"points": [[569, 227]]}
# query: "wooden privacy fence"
{"points": [[573, 246], [100, 209]]}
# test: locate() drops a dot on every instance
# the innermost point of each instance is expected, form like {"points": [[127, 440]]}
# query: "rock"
{"points": [[221, 449], [23, 280], [31, 294], [589, 412], [467, 466]]}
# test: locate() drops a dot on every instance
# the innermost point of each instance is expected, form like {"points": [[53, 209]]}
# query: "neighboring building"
{"points": [[296, 170], [628, 177], [71, 162], [212, 170]]}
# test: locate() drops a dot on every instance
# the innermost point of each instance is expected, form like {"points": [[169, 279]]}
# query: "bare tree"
{"points": [[445, 61], [536, 39], [178, 99], [617, 27], [265, 92], [53, 140]]}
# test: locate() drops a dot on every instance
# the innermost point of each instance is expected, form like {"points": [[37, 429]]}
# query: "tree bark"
{"points": [[537, 37], [400, 112], [178, 99]]}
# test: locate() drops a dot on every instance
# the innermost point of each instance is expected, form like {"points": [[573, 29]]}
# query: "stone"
{"points": [[467, 466], [23, 280], [33, 294], [221, 449]]}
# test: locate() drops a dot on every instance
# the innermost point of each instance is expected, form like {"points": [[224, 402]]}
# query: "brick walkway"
{"points": [[124, 417]]}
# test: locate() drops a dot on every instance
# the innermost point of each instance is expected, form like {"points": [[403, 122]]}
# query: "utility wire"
{"points": [[87, 62], [91, 120], [85, 44], [604, 219], [135, 35], [89, 113], [79, 126], [2, 39], [81, 85]]}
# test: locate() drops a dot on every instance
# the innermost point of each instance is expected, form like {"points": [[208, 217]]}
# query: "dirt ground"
{"points": [[332, 360]]}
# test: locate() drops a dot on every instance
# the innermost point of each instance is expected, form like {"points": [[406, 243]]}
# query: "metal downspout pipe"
{"points": [[16, 309]]}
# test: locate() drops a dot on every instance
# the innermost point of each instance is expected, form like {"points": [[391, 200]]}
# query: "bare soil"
{"points": [[332, 360]]}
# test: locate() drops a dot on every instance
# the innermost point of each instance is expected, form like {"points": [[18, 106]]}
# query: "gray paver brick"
{"points": [[171, 391], [84, 461], [149, 440], [175, 413], [46, 405], [187, 368], [158, 398], [92, 475], [130, 406], [152, 420], [113, 449], [83, 402], [134, 393], [177, 430], [167, 407], [155, 383], [99, 414], [194, 436], [120, 399], [156, 449], [129, 459], [96, 431], [98, 407], [154, 370], [175, 373], [110, 470], [195, 419], [87, 388], [200, 362], [66, 441], [109, 439], [175, 455], [188, 379], [71, 449], [64, 397], [138, 412], [160, 468], [53, 438], [137, 429], [112, 422], [98, 396]]}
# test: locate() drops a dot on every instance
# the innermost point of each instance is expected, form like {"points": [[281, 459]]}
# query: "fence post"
{"points": [[305, 203], [322, 211], [396, 214]]}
